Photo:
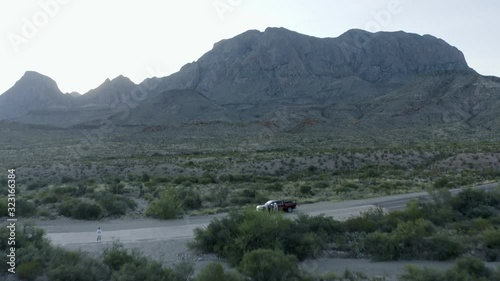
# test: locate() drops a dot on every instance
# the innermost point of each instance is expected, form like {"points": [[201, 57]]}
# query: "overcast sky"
{"points": [[80, 43]]}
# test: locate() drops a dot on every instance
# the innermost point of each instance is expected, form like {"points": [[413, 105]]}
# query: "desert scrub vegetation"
{"points": [[466, 268], [443, 228], [219, 178], [37, 259]]}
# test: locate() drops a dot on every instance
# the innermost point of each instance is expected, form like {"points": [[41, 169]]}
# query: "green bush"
{"points": [[219, 196], [321, 184], [275, 187], [465, 269], [79, 209], [25, 208], [246, 196], [145, 177], [86, 211], [442, 182], [28, 270], [215, 271], [117, 188], [407, 241], [491, 239], [247, 230], [36, 185], [115, 205], [269, 265], [116, 256], [63, 265], [305, 189], [444, 247], [50, 199], [3, 207], [190, 198], [67, 179], [168, 206]]}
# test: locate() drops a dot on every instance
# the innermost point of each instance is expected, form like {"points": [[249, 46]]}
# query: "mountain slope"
{"points": [[448, 98], [174, 108], [32, 91]]}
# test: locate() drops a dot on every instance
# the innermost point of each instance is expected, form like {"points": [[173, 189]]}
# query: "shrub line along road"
{"points": [[67, 232]]}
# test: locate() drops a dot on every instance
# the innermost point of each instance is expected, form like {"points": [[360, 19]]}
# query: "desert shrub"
{"points": [[442, 183], [491, 240], [473, 203], [3, 207], [240, 232], [183, 179], [117, 188], [64, 265], [219, 195], [469, 268], [381, 246], [305, 189], [28, 270], [152, 271], [414, 273], [162, 179], [79, 209], [86, 211], [236, 178], [444, 246], [25, 208], [321, 184], [369, 221], [274, 187], [36, 185], [215, 271], [66, 207], [50, 198], [207, 178], [114, 205], [116, 256], [407, 241], [312, 169], [116, 208], [191, 199], [246, 196], [465, 269], [269, 265], [67, 179], [145, 177], [66, 190], [168, 206]]}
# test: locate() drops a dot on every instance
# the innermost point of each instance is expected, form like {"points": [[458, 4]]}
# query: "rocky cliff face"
{"points": [[258, 66]]}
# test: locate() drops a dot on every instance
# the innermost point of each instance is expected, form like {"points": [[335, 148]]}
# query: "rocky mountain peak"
{"points": [[32, 91]]}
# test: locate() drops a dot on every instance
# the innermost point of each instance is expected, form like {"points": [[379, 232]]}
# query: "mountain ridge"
{"points": [[285, 80]]}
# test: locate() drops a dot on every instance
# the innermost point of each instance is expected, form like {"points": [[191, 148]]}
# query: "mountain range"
{"points": [[285, 81]]}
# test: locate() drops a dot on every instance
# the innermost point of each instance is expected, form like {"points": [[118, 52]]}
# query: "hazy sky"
{"points": [[80, 43]]}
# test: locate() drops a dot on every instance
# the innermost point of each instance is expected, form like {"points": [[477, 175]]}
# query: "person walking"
{"points": [[99, 233]]}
